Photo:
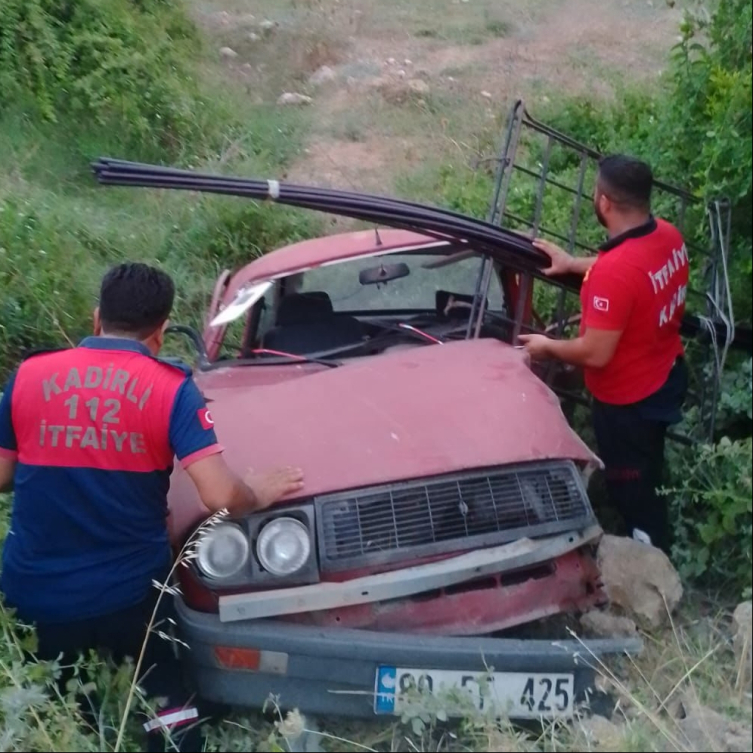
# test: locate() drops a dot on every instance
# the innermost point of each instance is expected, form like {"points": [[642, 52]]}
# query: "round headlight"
{"points": [[283, 546], [222, 551]]}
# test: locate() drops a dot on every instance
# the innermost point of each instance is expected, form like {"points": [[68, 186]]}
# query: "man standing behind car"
{"points": [[632, 304], [87, 441]]}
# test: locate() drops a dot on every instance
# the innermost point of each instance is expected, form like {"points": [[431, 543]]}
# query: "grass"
{"points": [[59, 230], [690, 659]]}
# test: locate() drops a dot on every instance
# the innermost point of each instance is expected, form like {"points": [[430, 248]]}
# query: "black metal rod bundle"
{"points": [[431, 221], [502, 244]]}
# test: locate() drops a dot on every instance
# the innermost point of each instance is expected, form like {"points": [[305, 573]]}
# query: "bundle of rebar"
{"points": [[504, 245], [466, 232]]}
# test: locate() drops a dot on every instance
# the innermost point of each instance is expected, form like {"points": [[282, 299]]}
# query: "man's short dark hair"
{"points": [[135, 299], [626, 180]]}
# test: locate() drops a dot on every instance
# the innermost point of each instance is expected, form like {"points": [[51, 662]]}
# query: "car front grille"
{"points": [[399, 522]]}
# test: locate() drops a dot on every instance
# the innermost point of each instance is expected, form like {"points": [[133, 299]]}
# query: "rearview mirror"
{"points": [[383, 273]]}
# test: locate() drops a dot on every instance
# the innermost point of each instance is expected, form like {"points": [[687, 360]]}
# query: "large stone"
{"points": [[598, 733], [703, 728], [607, 625], [419, 86], [741, 636], [639, 579], [322, 75]]}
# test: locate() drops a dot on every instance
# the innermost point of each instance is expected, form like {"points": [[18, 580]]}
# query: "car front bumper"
{"points": [[332, 671]]}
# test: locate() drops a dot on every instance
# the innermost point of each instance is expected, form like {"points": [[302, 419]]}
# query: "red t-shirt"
{"points": [[637, 285]]}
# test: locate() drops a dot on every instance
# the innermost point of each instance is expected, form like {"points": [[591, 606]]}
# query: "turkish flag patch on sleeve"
{"points": [[205, 418]]}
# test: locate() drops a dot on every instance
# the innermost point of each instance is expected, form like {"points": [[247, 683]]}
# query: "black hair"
{"points": [[135, 299], [626, 180]]}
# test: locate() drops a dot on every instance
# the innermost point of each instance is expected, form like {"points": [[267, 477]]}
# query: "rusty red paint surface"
{"points": [[425, 411]]}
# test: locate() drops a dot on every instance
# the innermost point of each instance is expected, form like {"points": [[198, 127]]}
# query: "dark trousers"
{"points": [[632, 448], [122, 634]]}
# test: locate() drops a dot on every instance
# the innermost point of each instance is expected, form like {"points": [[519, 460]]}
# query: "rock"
{"points": [[741, 637], [245, 19], [486, 95], [639, 579], [418, 86], [268, 26], [597, 732], [228, 53], [252, 36], [407, 61], [293, 98], [398, 92], [606, 625], [705, 729], [247, 66], [391, 61], [322, 75]]}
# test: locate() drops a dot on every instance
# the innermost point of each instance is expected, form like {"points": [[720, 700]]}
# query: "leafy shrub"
{"points": [[711, 492], [712, 510], [120, 64]]}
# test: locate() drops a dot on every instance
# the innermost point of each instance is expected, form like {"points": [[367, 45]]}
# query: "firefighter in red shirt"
{"points": [[632, 302]]}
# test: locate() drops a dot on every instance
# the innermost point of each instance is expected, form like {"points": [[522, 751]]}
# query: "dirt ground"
{"points": [[394, 83]]}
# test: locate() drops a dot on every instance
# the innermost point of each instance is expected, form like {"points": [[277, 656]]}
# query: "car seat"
{"points": [[307, 323]]}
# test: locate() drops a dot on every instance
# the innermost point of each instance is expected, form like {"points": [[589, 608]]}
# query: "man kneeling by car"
{"points": [[88, 436]]}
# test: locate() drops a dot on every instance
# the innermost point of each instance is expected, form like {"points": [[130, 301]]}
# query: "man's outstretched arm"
{"points": [[194, 442], [562, 262], [221, 489], [594, 349]]}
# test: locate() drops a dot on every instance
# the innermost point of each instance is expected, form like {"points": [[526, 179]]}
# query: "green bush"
{"points": [[712, 512], [115, 63], [694, 130], [83, 78]]}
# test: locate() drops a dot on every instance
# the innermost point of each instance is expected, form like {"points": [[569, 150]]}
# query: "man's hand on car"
{"points": [[562, 262], [537, 346], [270, 486]]}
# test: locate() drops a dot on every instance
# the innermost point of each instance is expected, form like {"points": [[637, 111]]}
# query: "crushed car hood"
{"points": [[425, 411]]}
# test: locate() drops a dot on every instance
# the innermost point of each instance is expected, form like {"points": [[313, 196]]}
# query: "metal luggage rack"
{"points": [[537, 166]]}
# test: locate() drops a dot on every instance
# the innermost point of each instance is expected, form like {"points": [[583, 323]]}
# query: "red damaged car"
{"points": [[445, 499]]}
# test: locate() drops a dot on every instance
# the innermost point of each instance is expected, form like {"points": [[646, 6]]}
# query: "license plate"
{"points": [[518, 695]]}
